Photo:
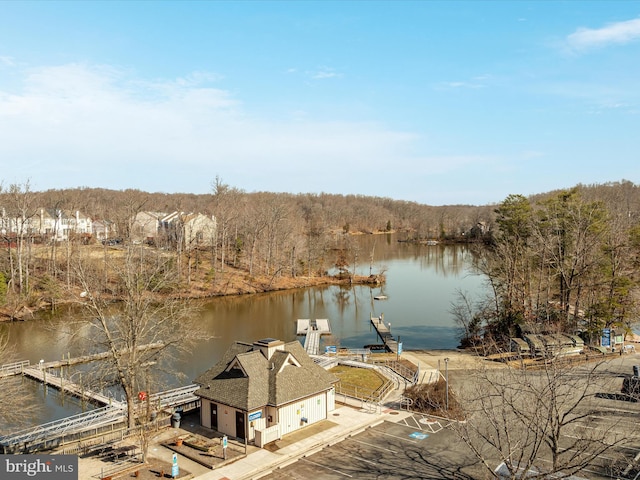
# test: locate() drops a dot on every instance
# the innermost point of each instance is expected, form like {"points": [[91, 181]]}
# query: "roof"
{"points": [[245, 379]]}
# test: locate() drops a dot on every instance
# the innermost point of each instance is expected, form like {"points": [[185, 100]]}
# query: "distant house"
{"points": [[146, 225], [190, 229], [198, 230], [265, 390], [104, 229], [48, 224]]}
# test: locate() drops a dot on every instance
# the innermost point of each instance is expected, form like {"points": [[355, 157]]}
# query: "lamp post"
{"points": [[446, 381]]}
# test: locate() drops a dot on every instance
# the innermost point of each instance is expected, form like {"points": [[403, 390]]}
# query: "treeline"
{"points": [[263, 234], [563, 262]]}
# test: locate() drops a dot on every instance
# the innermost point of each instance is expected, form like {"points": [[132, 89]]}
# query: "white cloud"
{"points": [[76, 124], [323, 73], [614, 33], [7, 61]]}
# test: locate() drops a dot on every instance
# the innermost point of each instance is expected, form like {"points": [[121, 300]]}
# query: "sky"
{"points": [[435, 102]]}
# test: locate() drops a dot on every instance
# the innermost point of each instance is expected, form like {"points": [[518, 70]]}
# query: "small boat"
{"points": [[380, 297]]}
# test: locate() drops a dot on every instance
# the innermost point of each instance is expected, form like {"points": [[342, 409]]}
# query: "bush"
{"points": [[431, 398]]}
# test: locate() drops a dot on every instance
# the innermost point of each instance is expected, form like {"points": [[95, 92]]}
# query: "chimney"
{"points": [[268, 345]]}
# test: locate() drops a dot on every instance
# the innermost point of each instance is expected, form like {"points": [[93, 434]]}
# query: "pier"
{"points": [[313, 330], [384, 332], [102, 422]]}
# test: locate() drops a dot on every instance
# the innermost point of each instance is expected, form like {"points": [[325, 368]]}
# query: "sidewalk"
{"points": [[342, 423]]}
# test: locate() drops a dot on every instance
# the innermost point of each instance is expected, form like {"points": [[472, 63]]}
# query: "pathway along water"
{"points": [[422, 282]]}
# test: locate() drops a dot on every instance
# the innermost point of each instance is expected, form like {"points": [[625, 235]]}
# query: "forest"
{"points": [[546, 256]]}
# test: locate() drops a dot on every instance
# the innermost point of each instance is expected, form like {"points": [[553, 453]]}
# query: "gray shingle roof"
{"points": [[259, 382]]}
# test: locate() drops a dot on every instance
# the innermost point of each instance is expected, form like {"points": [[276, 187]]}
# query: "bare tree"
{"points": [[534, 420], [148, 324]]}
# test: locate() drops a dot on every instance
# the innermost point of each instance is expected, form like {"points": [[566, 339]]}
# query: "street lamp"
{"points": [[446, 381]]}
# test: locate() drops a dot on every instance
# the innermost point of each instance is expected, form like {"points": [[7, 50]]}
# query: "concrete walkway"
{"points": [[346, 421]]}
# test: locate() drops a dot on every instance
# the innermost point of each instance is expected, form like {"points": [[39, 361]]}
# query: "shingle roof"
{"points": [[255, 381]]}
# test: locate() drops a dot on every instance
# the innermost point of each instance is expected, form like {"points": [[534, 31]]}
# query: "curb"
{"points": [[292, 458]]}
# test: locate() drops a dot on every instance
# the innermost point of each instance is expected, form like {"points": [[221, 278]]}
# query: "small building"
{"points": [[264, 390]]}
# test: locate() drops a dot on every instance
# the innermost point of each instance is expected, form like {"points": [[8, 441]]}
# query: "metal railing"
{"points": [[53, 434]]}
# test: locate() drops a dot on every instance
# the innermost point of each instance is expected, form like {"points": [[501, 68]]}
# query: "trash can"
{"points": [[175, 420]]}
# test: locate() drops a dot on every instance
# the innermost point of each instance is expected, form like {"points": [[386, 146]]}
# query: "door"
{"points": [[214, 416], [240, 425]]}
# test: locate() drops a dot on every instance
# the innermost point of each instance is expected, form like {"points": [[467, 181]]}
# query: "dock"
{"points": [[64, 385], [384, 332], [313, 330]]}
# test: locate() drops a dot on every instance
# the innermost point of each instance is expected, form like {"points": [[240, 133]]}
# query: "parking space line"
{"points": [[362, 459], [401, 438], [377, 447], [325, 467]]}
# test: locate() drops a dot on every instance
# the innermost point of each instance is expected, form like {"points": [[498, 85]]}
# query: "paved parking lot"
{"points": [[412, 448], [418, 448]]}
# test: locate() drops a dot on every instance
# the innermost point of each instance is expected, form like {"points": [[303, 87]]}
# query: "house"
{"points": [[198, 230], [145, 225], [48, 224], [264, 390], [104, 229], [187, 229]]}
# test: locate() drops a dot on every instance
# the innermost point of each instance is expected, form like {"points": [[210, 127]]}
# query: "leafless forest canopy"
{"points": [[270, 238]]}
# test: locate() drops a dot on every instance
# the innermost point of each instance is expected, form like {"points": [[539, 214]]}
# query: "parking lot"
{"points": [[419, 447], [412, 448]]}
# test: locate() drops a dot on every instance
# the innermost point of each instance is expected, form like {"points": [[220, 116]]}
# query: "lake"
{"points": [[422, 283]]}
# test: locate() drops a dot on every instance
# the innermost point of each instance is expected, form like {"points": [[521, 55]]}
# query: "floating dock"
{"points": [[313, 330], [384, 332]]}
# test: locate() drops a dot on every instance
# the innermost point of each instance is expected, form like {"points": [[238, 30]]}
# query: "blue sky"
{"points": [[435, 102]]}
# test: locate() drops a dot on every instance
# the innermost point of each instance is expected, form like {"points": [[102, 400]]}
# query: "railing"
{"points": [[56, 433], [13, 368], [407, 373]]}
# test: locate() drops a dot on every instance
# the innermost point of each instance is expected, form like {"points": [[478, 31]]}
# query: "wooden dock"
{"points": [[313, 330], [384, 332], [64, 385]]}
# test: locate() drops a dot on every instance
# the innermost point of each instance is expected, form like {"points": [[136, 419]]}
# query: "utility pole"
{"points": [[446, 381]]}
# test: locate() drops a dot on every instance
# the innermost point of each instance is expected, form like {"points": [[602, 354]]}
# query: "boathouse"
{"points": [[262, 391]]}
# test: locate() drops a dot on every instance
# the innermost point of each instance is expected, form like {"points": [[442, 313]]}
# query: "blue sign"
{"points": [[330, 349], [255, 415], [605, 341], [175, 471], [224, 442], [399, 348], [419, 435]]}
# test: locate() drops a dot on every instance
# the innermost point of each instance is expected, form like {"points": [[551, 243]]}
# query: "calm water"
{"points": [[422, 282]]}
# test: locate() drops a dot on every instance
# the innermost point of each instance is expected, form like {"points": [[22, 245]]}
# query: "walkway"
{"points": [[384, 332]]}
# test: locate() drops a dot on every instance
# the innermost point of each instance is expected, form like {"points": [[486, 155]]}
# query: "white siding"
{"points": [[331, 400], [313, 409]]}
